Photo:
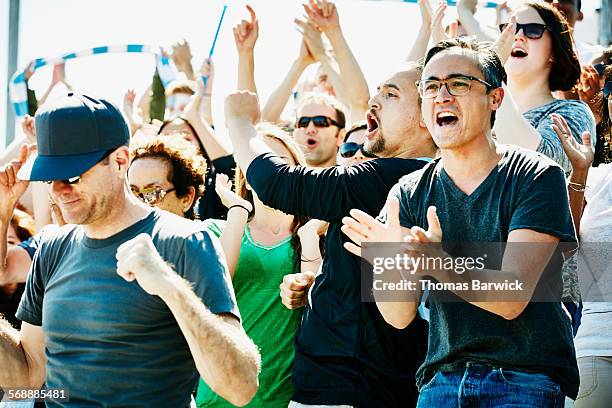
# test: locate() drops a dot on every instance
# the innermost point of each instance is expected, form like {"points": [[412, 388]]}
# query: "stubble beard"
{"points": [[376, 146]]}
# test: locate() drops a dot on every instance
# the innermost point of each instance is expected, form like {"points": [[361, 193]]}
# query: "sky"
{"points": [[379, 32]]}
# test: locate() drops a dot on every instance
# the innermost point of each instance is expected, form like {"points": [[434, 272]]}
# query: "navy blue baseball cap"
{"points": [[73, 133]]}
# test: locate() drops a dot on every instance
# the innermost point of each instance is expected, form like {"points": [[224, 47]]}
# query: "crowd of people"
{"points": [[148, 261]]}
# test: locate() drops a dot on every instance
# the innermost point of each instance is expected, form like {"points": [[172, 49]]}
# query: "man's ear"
{"points": [[579, 16], [121, 158], [496, 96]]}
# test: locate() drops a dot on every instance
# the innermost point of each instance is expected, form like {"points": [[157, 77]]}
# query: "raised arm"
{"points": [[22, 358], [581, 156], [214, 145], [278, 99], [237, 217], [245, 37], [419, 47], [324, 15], [466, 10], [181, 55], [224, 356], [207, 70], [14, 262]]}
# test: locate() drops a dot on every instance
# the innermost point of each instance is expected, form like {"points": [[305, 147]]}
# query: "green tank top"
{"points": [[259, 272]]}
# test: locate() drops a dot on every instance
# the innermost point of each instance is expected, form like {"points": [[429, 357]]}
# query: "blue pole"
{"points": [[212, 47]]}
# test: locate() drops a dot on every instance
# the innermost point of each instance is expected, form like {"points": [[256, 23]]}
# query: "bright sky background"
{"points": [[379, 32]]}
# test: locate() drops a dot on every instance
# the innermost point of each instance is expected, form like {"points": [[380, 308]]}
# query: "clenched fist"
{"points": [[294, 289], [243, 105], [138, 259]]}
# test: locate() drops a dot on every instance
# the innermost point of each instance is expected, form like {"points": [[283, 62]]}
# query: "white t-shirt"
{"points": [[593, 337]]}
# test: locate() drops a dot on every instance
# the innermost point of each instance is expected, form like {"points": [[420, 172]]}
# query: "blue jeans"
{"points": [[478, 385]]}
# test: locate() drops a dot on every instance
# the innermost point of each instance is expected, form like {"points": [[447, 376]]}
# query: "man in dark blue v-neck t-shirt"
{"points": [[483, 351]]}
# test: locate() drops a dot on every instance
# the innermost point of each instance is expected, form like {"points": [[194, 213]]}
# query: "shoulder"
{"points": [[574, 112], [428, 171], [396, 165], [171, 226], [53, 235], [525, 163], [177, 235], [215, 226]]}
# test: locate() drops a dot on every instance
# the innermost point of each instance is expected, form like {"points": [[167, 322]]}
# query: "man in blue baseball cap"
{"points": [[106, 319]]}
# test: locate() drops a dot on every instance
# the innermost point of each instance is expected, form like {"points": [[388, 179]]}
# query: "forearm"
{"points": [[576, 197], [311, 258], [215, 146], [187, 69], [512, 128], [4, 224], [246, 72], [206, 109], [419, 48], [472, 26], [246, 149], [397, 307], [354, 83], [225, 357], [14, 369], [231, 239], [499, 302], [278, 100]]}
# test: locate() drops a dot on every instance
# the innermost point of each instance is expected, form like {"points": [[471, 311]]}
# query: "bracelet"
{"points": [[240, 206], [579, 188], [310, 260]]}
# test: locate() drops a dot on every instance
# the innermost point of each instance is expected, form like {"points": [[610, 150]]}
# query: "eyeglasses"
{"points": [[350, 149], [152, 195], [457, 86], [319, 121], [607, 90], [533, 31]]}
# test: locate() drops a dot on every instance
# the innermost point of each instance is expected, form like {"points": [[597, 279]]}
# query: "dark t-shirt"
{"points": [[210, 206], [345, 352], [524, 191], [107, 341]]}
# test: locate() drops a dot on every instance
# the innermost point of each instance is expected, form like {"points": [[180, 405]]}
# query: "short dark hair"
{"points": [[487, 60], [565, 70], [324, 99]]}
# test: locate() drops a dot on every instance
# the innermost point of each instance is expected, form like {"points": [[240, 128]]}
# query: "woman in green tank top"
{"points": [[262, 245]]}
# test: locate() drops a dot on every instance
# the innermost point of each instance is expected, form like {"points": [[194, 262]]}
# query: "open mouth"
{"points": [[518, 53], [372, 122], [446, 119], [311, 143]]}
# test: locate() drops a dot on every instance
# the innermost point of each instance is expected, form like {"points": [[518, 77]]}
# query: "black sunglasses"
{"points": [[533, 31], [319, 121], [76, 179], [72, 180], [350, 149], [607, 89], [600, 68]]}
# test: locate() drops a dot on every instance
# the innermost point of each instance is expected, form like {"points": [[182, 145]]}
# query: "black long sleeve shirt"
{"points": [[345, 352]]}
